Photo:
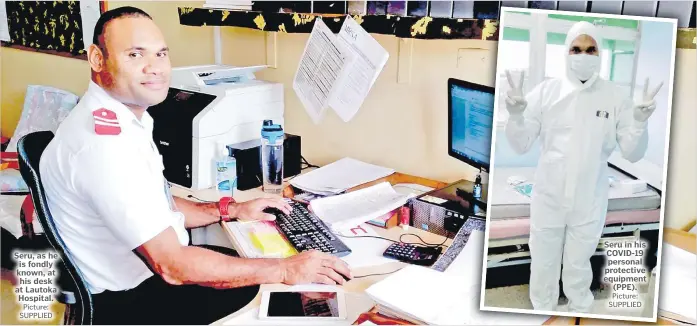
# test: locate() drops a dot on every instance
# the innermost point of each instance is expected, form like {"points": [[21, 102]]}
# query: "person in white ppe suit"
{"points": [[579, 120]]}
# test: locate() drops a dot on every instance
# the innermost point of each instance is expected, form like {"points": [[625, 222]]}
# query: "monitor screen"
{"points": [[471, 121]]}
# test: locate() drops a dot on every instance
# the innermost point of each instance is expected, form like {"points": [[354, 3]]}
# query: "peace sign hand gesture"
{"points": [[643, 110], [515, 100]]}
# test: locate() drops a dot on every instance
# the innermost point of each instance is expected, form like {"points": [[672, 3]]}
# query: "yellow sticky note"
{"points": [[272, 244]]}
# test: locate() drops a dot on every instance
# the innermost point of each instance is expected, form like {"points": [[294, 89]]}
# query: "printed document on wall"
{"points": [[4, 26], [366, 58], [320, 66], [89, 11]]}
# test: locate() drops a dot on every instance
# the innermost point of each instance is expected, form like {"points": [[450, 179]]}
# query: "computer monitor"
{"points": [[470, 122]]}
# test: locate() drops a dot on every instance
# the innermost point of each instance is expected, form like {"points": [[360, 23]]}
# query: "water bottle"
{"points": [[226, 172], [272, 138]]}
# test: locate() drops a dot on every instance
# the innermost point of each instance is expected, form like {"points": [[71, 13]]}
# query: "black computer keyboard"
{"points": [[305, 231]]}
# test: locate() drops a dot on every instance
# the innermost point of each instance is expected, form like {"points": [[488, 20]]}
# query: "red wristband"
{"points": [[223, 208]]}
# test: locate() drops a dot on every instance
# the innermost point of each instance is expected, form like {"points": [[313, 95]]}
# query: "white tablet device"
{"points": [[302, 305]]}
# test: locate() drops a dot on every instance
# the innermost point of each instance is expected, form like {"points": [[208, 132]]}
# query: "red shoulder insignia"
{"points": [[105, 122]]}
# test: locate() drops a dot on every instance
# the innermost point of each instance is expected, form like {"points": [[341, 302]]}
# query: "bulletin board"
{"points": [[52, 27]]}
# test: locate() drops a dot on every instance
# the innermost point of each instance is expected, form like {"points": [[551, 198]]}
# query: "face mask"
{"points": [[584, 65]]}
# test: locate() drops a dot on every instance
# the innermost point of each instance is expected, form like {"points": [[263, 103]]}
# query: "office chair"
{"points": [[74, 292]]}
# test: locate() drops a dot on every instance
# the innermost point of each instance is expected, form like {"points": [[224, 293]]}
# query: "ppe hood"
{"points": [[577, 30]]}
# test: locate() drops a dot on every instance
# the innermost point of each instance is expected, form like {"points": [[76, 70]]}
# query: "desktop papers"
{"points": [[337, 177], [365, 251], [348, 210], [337, 71], [678, 272], [426, 296]]}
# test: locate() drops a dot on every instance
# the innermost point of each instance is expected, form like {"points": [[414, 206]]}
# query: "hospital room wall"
{"points": [[682, 156], [680, 207], [403, 126]]}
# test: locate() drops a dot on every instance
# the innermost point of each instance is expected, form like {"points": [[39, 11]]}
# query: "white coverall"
{"points": [[578, 125]]}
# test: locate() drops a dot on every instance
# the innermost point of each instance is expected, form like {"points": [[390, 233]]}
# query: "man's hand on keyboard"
{"points": [[315, 267], [253, 210]]}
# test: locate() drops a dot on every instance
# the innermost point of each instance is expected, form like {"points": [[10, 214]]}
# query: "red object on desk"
{"points": [[8, 160], [374, 317]]}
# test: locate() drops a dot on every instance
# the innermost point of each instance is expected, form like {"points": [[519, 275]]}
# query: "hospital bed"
{"points": [[630, 216]]}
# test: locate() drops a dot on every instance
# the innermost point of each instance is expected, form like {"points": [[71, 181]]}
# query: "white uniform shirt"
{"points": [[106, 191]]}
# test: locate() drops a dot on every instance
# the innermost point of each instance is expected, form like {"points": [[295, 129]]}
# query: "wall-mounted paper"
{"points": [[366, 58], [89, 11], [338, 72], [320, 66], [4, 28]]}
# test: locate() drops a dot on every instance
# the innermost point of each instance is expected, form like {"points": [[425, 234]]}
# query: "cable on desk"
{"points": [[368, 236], [307, 164], [201, 200], [424, 243], [378, 274], [442, 244]]}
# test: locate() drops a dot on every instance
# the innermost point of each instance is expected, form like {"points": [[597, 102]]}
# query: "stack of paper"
{"points": [[354, 208], [423, 295], [678, 272], [339, 176], [259, 240]]}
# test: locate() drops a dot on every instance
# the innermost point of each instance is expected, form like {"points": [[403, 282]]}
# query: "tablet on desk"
{"points": [[303, 305]]}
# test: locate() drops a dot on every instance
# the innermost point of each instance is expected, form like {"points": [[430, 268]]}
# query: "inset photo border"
{"points": [[579, 159]]}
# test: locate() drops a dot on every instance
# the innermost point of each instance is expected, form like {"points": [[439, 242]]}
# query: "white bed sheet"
{"points": [[506, 202]]}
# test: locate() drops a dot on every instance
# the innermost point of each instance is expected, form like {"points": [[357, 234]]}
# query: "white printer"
{"points": [[207, 105]]}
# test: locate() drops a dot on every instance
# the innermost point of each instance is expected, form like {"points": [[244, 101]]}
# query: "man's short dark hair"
{"points": [[111, 15]]}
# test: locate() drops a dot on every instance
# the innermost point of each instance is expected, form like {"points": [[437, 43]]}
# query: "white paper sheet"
{"points": [[365, 252], [440, 298], [354, 208], [89, 11], [4, 27], [320, 66], [366, 58], [468, 263], [339, 176], [678, 272]]}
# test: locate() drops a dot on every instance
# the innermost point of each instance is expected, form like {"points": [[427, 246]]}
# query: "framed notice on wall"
{"points": [[63, 28]]}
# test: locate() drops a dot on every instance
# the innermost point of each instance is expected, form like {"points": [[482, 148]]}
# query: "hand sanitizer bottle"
{"points": [[478, 187], [226, 172]]}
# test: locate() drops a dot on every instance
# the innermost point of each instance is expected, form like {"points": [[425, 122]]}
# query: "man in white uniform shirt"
{"points": [[106, 191]]}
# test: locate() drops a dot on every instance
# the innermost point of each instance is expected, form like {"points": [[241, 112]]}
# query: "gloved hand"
{"points": [[644, 109], [515, 99]]}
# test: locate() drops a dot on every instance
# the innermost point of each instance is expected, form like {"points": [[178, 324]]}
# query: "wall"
{"points": [[681, 207], [403, 126], [23, 68]]}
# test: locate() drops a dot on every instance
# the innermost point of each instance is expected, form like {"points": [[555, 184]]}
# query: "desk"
{"points": [[357, 286]]}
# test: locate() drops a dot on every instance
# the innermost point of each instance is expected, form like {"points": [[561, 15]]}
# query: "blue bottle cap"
{"points": [[271, 131]]}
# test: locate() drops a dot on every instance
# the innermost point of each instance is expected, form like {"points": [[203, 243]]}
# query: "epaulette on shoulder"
{"points": [[106, 122]]}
